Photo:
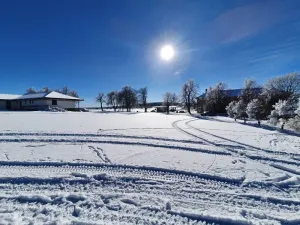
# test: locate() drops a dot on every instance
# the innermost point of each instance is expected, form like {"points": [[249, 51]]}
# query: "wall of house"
{"points": [[66, 104], [2, 105], [40, 103], [33, 104], [15, 105]]}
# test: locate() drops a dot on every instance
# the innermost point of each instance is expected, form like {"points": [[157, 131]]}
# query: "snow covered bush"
{"points": [[240, 110], [283, 110], [229, 109], [254, 110], [294, 123]]}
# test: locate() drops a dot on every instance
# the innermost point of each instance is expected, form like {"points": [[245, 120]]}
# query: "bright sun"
{"points": [[167, 52]]}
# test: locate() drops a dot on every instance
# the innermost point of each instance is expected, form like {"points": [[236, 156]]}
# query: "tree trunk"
{"points": [[145, 108], [167, 109], [259, 123], [189, 108], [101, 107], [282, 126]]}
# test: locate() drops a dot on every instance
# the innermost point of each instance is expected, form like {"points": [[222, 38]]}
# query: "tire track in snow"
{"points": [[240, 143], [211, 194], [99, 135], [257, 158], [74, 141], [175, 125], [119, 168]]}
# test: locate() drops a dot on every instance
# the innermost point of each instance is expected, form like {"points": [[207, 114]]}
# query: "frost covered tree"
{"points": [[216, 98], [294, 123], [249, 92], [101, 99], [143, 95], [281, 88], [255, 109], [30, 91], [230, 109], [189, 93], [112, 99], [169, 99], [283, 110], [240, 110]]}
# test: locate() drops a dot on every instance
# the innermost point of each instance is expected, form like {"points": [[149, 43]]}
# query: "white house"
{"points": [[38, 101]]}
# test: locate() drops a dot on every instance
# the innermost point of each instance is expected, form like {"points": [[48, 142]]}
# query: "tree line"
{"points": [[279, 102], [127, 98], [65, 90]]}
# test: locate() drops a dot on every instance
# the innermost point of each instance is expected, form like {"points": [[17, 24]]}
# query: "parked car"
{"points": [[206, 113]]}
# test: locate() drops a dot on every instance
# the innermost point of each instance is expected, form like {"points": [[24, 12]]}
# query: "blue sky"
{"points": [[99, 46]]}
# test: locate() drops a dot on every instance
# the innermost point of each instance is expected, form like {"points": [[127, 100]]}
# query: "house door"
{"points": [[8, 105]]}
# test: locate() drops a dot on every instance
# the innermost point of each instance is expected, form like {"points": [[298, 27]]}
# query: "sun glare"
{"points": [[167, 52]]}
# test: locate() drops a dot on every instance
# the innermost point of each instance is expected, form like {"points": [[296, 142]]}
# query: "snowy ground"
{"points": [[145, 168]]}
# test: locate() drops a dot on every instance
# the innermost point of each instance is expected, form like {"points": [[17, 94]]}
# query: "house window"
{"points": [[54, 102]]}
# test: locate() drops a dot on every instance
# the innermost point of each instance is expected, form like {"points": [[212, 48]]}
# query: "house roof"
{"points": [[8, 96], [50, 95], [237, 92], [54, 94], [33, 96]]}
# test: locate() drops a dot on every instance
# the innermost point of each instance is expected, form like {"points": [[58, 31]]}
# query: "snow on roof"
{"points": [[31, 96], [8, 96], [54, 94]]}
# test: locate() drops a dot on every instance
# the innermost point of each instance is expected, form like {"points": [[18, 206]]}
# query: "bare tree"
{"points": [[65, 90], [101, 99], [45, 90], [189, 93], [30, 91], [121, 100], [250, 91], [286, 87], [143, 95], [216, 98], [112, 99], [73, 94], [169, 99], [128, 97]]}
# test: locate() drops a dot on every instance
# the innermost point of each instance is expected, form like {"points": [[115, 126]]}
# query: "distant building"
{"points": [[164, 108], [38, 101]]}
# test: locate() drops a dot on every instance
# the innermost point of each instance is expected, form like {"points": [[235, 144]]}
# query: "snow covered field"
{"points": [[145, 168]]}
